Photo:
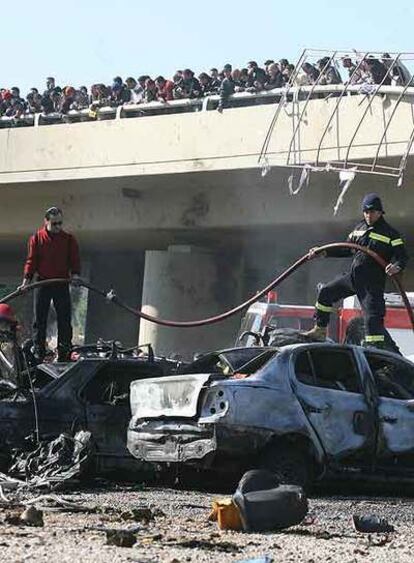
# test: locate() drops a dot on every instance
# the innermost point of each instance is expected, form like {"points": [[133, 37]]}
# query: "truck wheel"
{"points": [[290, 465]]}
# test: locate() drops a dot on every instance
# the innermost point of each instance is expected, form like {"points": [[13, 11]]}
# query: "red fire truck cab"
{"points": [[347, 325]]}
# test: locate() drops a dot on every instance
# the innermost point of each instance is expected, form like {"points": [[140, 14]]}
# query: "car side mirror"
{"points": [[410, 405]]}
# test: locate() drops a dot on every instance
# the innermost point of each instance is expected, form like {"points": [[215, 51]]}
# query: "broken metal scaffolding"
{"points": [[295, 101]]}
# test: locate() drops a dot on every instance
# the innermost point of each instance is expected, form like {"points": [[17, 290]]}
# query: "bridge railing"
{"points": [[208, 103]]}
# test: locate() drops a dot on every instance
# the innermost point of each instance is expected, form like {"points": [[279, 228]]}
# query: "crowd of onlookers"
{"points": [[184, 84]]}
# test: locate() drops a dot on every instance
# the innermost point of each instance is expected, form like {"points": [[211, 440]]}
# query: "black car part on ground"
{"points": [[111, 296], [267, 505], [55, 463]]}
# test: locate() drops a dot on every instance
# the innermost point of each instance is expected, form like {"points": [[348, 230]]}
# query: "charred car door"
{"points": [[394, 380], [329, 387], [106, 399]]}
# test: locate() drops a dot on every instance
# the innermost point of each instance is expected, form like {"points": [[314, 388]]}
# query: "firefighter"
{"points": [[52, 253], [366, 278], [8, 321]]}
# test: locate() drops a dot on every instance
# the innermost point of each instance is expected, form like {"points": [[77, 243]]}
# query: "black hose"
{"points": [[217, 318]]}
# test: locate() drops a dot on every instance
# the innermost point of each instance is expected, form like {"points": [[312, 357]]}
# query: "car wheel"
{"points": [[289, 464]]}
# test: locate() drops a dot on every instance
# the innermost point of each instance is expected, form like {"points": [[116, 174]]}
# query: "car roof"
{"points": [[359, 349]]}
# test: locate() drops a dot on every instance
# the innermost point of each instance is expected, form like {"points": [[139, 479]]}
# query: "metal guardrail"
{"points": [[208, 103], [360, 82]]}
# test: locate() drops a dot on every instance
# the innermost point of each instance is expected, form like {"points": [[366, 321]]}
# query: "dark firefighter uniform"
{"points": [[366, 278]]}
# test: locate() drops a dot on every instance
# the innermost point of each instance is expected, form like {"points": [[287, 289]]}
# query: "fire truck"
{"points": [[345, 327]]}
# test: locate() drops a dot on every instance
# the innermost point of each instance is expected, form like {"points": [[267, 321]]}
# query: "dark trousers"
{"points": [[60, 296], [370, 295]]}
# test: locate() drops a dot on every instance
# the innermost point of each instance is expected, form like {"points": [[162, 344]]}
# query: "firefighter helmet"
{"points": [[6, 313]]}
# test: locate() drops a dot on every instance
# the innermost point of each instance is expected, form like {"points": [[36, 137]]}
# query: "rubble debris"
{"points": [[265, 505], [224, 546], [55, 463], [260, 504], [143, 514], [31, 516], [371, 523], [264, 559], [227, 515], [54, 503], [120, 538], [150, 539], [379, 541]]}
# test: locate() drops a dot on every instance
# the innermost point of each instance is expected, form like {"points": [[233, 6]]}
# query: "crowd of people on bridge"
{"points": [[186, 85]]}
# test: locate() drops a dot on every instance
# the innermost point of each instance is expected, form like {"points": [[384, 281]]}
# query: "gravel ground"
{"points": [[180, 531]]}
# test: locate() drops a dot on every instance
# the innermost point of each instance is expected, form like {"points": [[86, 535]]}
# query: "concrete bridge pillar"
{"points": [[189, 283], [122, 271]]}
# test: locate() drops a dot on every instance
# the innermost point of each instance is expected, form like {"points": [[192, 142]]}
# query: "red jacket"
{"points": [[166, 92], [52, 255]]}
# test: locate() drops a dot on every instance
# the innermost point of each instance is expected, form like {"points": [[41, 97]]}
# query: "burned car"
{"points": [[91, 394], [307, 411]]}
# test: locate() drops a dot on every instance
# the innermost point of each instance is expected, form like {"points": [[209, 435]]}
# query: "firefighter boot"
{"points": [[316, 333]]}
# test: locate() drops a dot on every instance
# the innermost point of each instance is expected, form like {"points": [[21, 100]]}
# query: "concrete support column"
{"points": [[188, 283], [122, 271]]}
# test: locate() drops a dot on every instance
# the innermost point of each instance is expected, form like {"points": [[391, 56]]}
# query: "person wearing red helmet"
{"points": [[7, 314], [52, 253]]}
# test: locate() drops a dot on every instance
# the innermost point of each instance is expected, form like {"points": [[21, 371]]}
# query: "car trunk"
{"points": [[164, 424], [169, 397]]}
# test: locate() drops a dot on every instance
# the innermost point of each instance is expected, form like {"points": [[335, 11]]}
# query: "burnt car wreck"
{"points": [[306, 411], [89, 394]]}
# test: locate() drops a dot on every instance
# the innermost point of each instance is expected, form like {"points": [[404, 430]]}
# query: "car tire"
{"points": [[291, 465]]}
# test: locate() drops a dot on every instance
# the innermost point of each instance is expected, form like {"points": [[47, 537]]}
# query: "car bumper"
{"points": [[180, 442]]}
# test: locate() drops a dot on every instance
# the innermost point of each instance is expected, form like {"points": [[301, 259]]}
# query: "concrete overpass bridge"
{"points": [[174, 210]]}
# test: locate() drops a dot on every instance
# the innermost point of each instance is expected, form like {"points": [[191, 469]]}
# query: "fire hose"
{"points": [[111, 296]]}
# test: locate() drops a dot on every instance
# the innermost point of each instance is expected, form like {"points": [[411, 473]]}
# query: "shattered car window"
{"points": [[111, 383], [257, 363], [329, 368], [225, 363], [394, 378]]}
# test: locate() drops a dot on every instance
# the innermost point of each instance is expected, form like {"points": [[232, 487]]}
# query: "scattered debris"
{"points": [[120, 538], [379, 541], [227, 515], [150, 539], [371, 523], [54, 463], [224, 546], [31, 516], [144, 514], [263, 559], [265, 505], [260, 504], [12, 518]]}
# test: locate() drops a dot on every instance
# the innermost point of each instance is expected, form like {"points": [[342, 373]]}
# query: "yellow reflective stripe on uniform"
{"points": [[375, 338], [357, 233], [397, 242], [324, 308], [381, 238]]}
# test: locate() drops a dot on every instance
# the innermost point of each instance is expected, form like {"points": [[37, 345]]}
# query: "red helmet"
{"points": [[6, 313]]}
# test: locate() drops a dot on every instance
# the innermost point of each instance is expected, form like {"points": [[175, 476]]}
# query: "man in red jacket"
{"points": [[52, 253]]}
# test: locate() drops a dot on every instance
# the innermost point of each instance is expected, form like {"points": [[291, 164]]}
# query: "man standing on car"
{"points": [[366, 278], [52, 253]]}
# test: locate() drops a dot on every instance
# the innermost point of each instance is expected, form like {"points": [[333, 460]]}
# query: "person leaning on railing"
{"points": [[226, 88]]}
